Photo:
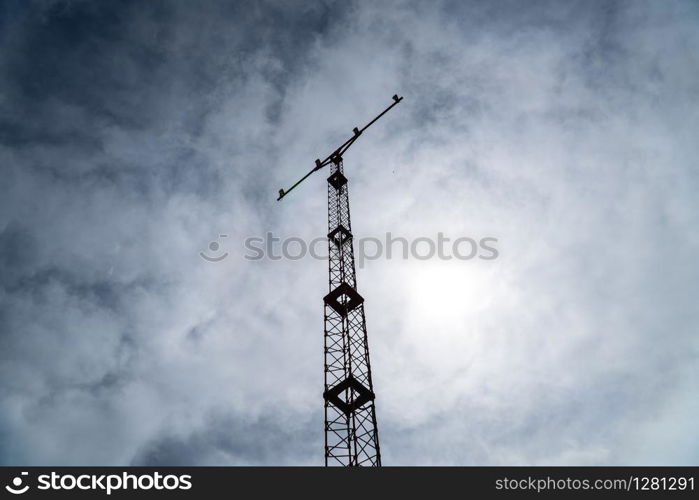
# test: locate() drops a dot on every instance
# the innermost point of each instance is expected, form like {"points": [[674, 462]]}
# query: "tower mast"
{"points": [[351, 433]]}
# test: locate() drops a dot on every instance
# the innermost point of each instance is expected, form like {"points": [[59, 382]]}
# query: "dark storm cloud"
{"points": [[101, 104], [240, 441], [77, 69], [134, 133]]}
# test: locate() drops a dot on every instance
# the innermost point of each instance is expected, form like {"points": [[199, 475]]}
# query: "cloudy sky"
{"points": [[133, 134]]}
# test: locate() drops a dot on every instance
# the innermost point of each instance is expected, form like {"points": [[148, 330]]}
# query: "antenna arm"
{"points": [[357, 132], [283, 193], [340, 150]]}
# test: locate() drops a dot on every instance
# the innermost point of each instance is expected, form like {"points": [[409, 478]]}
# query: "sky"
{"points": [[134, 134]]}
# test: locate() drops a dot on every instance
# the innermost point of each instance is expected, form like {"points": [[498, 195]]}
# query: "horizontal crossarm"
{"points": [[340, 151]]}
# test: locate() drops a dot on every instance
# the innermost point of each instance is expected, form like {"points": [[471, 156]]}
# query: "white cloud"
{"points": [[567, 133]]}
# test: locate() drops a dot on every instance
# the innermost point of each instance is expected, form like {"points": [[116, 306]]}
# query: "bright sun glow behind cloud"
{"points": [[442, 294]]}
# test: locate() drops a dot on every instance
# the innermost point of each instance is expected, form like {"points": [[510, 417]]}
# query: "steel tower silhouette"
{"points": [[351, 433]]}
